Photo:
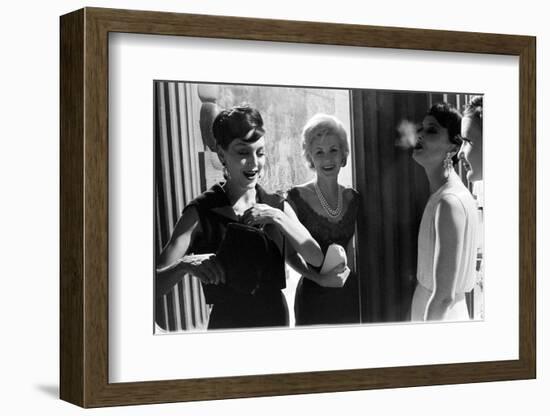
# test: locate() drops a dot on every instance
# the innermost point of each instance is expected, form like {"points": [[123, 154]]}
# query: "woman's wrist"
{"points": [[278, 216], [184, 265], [313, 276]]}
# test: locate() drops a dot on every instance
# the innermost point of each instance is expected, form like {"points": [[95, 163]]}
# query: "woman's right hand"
{"points": [[205, 267], [335, 277]]}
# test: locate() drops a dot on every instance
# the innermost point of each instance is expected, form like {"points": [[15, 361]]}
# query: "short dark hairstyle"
{"points": [[240, 122], [448, 117], [474, 108]]}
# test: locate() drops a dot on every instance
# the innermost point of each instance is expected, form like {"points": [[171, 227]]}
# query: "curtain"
{"points": [[177, 181]]}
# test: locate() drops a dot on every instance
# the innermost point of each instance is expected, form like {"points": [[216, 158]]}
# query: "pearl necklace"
{"points": [[333, 213]]}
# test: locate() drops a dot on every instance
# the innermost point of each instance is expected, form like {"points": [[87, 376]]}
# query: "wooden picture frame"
{"points": [[84, 207]]}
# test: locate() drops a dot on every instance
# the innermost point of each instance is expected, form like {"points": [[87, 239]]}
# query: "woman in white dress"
{"points": [[447, 239]]}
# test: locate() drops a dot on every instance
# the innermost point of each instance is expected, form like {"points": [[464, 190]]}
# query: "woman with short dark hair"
{"points": [[234, 236], [447, 239]]}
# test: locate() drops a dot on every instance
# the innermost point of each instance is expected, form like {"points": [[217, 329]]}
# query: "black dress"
{"points": [[314, 304], [230, 307]]}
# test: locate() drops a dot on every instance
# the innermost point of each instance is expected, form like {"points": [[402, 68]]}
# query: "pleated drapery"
{"points": [[178, 180]]}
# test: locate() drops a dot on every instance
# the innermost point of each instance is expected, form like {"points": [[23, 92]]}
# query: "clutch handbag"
{"points": [[243, 255], [335, 256]]}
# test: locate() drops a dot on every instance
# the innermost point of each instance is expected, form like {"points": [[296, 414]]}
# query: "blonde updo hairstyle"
{"points": [[321, 125]]}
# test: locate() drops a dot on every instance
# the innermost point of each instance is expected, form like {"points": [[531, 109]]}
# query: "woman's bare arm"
{"points": [[449, 228], [334, 278], [287, 222], [174, 261]]}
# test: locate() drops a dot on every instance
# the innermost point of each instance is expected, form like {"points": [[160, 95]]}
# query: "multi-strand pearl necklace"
{"points": [[333, 213]]}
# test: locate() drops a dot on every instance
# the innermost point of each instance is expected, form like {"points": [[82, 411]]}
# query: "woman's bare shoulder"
{"points": [[189, 221], [349, 194], [450, 209], [305, 187], [304, 190]]}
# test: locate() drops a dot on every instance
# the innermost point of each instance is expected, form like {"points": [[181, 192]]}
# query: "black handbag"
{"points": [[244, 255]]}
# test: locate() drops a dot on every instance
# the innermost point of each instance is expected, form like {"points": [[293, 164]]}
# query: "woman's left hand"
{"points": [[260, 214]]}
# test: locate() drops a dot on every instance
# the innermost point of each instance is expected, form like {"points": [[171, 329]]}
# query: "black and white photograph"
{"points": [[296, 206], [275, 208]]}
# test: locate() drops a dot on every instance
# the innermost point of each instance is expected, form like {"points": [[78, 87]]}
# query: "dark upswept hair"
{"points": [[449, 117], [241, 122]]}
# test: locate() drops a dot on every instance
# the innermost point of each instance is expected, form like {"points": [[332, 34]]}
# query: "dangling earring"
{"points": [[343, 162], [447, 164], [226, 174]]}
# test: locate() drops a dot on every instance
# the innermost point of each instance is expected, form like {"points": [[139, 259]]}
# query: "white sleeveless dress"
{"points": [[428, 250]]}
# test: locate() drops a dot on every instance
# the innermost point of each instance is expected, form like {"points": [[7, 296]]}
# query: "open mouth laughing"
{"points": [[328, 168], [251, 174]]}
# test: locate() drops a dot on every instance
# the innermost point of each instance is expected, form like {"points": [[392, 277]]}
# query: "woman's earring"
{"points": [[226, 174], [447, 164]]}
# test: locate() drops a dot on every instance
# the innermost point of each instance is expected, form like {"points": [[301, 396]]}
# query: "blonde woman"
{"points": [[328, 210]]}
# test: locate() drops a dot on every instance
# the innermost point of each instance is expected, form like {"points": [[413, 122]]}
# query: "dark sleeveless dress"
{"points": [[266, 307], [314, 304]]}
